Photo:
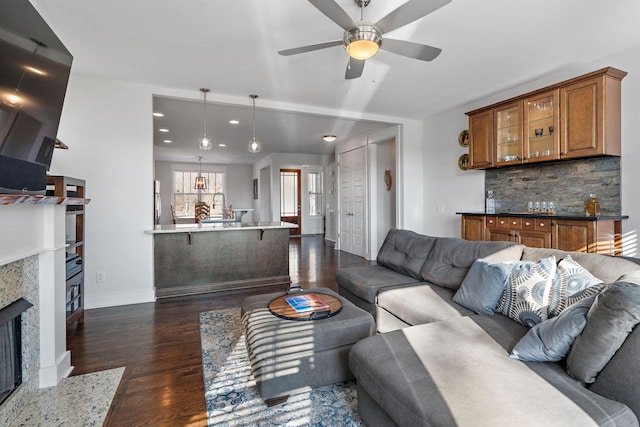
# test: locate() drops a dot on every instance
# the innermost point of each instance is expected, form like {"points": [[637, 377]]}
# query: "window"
{"points": [[185, 196], [315, 193], [289, 192]]}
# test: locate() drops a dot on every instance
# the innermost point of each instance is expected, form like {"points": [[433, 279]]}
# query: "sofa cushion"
{"points": [[605, 267], [525, 298], [471, 380], [551, 340], [448, 262], [405, 251], [366, 281], [614, 314], [482, 286], [421, 303], [571, 284]]}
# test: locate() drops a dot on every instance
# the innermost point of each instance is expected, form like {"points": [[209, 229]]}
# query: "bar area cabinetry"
{"points": [[577, 118], [587, 234]]}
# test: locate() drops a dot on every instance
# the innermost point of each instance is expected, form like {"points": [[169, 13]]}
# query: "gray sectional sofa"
{"points": [[437, 362]]}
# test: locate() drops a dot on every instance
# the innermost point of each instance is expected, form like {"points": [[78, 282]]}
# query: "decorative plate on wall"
{"points": [[463, 138], [463, 162]]}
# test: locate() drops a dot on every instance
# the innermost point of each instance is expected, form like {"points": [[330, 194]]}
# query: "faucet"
{"points": [[223, 202]]}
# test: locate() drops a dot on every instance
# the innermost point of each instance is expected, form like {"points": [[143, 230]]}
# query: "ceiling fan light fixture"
{"points": [[362, 43]]}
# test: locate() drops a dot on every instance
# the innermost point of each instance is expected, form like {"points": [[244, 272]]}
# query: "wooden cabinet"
{"points": [[481, 133], [508, 134], [472, 227], [590, 118], [64, 186], [541, 120], [575, 118], [602, 236]]}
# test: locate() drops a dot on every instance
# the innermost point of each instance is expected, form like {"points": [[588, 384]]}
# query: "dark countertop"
{"points": [[543, 215]]}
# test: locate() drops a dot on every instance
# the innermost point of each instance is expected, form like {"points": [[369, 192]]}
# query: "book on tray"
{"points": [[305, 303]]}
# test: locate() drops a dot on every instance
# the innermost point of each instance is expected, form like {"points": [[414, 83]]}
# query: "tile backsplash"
{"points": [[567, 183]]}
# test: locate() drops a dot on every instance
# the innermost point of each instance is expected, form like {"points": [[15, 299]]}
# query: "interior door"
{"points": [[290, 198], [352, 202]]}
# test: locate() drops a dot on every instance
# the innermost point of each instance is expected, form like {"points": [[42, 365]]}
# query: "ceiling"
{"points": [[231, 48]]}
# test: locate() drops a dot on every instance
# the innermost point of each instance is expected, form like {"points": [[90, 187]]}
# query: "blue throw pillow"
{"points": [[482, 286], [551, 340]]}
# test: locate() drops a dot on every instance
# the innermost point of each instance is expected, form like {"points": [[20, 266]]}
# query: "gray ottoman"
{"points": [[289, 356]]}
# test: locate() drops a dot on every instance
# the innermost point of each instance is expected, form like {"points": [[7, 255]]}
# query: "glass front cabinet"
{"points": [[541, 127], [508, 134]]}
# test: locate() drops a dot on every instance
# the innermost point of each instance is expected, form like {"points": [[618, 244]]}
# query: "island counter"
{"points": [[198, 258]]}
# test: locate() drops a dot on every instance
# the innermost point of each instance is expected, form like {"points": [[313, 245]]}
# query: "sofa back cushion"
{"points": [[404, 251], [448, 262], [604, 267]]}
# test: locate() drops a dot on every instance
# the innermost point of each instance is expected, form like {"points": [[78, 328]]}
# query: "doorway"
{"points": [[290, 198]]}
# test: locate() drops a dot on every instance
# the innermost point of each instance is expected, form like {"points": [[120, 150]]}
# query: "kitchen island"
{"points": [[199, 258]]}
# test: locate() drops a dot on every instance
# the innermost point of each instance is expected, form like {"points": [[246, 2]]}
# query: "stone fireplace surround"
{"points": [[32, 266]]}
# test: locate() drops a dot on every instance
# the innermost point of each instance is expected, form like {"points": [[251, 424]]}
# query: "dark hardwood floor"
{"points": [[159, 343]]}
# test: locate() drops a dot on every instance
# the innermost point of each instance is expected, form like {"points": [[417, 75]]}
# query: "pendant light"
{"points": [[200, 182], [204, 142], [254, 144]]}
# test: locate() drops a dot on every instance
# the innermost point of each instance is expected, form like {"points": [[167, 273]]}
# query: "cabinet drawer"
{"points": [[543, 224], [512, 223], [492, 221]]}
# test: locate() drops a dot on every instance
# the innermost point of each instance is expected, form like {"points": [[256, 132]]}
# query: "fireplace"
{"points": [[11, 347]]}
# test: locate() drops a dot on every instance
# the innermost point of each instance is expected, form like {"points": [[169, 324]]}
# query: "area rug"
{"points": [[230, 390]]}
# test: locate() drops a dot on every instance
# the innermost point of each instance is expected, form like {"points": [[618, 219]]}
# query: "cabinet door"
{"points": [[508, 134], [574, 235], [541, 127], [582, 118], [473, 227], [480, 139], [499, 235], [534, 239]]}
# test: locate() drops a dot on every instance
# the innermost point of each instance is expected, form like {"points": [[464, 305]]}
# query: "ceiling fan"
{"points": [[362, 40]]}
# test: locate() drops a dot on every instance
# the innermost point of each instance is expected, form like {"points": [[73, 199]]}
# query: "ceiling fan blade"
{"points": [[408, 12], [310, 48], [354, 69], [334, 12], [411, 49]]}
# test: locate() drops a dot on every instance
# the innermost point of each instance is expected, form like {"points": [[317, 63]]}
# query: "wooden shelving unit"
{"points": [[64, 186]]}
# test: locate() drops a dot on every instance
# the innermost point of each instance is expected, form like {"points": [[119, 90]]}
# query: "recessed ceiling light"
{"points": [[329, 138], [222, 145], [163, 130], [158, 115], [167, 141], [234, 122]]}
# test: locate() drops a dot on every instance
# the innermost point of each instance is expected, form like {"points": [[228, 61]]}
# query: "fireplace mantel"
{"points": [[35, 226]]}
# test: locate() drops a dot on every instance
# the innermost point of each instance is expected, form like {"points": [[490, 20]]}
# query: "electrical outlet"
{"points": [[101, 276]]}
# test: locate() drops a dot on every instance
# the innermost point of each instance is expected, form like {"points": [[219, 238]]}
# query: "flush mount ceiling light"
{"points": [[200, 182], [254, 144], [204, 142], [329, 138], [158, 115]]}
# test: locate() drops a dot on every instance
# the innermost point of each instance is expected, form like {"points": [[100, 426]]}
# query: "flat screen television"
{"points": [[34, 71]]}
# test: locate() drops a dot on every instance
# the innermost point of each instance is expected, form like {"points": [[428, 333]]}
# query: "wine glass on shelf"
{"points": [[536, 206], [543, 206]]}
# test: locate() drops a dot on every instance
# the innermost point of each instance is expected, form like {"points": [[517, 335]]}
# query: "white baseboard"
{"points": [[51, 375], [112, 299]]}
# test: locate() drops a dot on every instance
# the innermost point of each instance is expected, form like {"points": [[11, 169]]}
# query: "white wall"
{"points": [[455, 190]]}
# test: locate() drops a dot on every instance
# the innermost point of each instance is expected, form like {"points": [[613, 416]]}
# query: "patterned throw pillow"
{"points": [[571, 284], [525, 298]]}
